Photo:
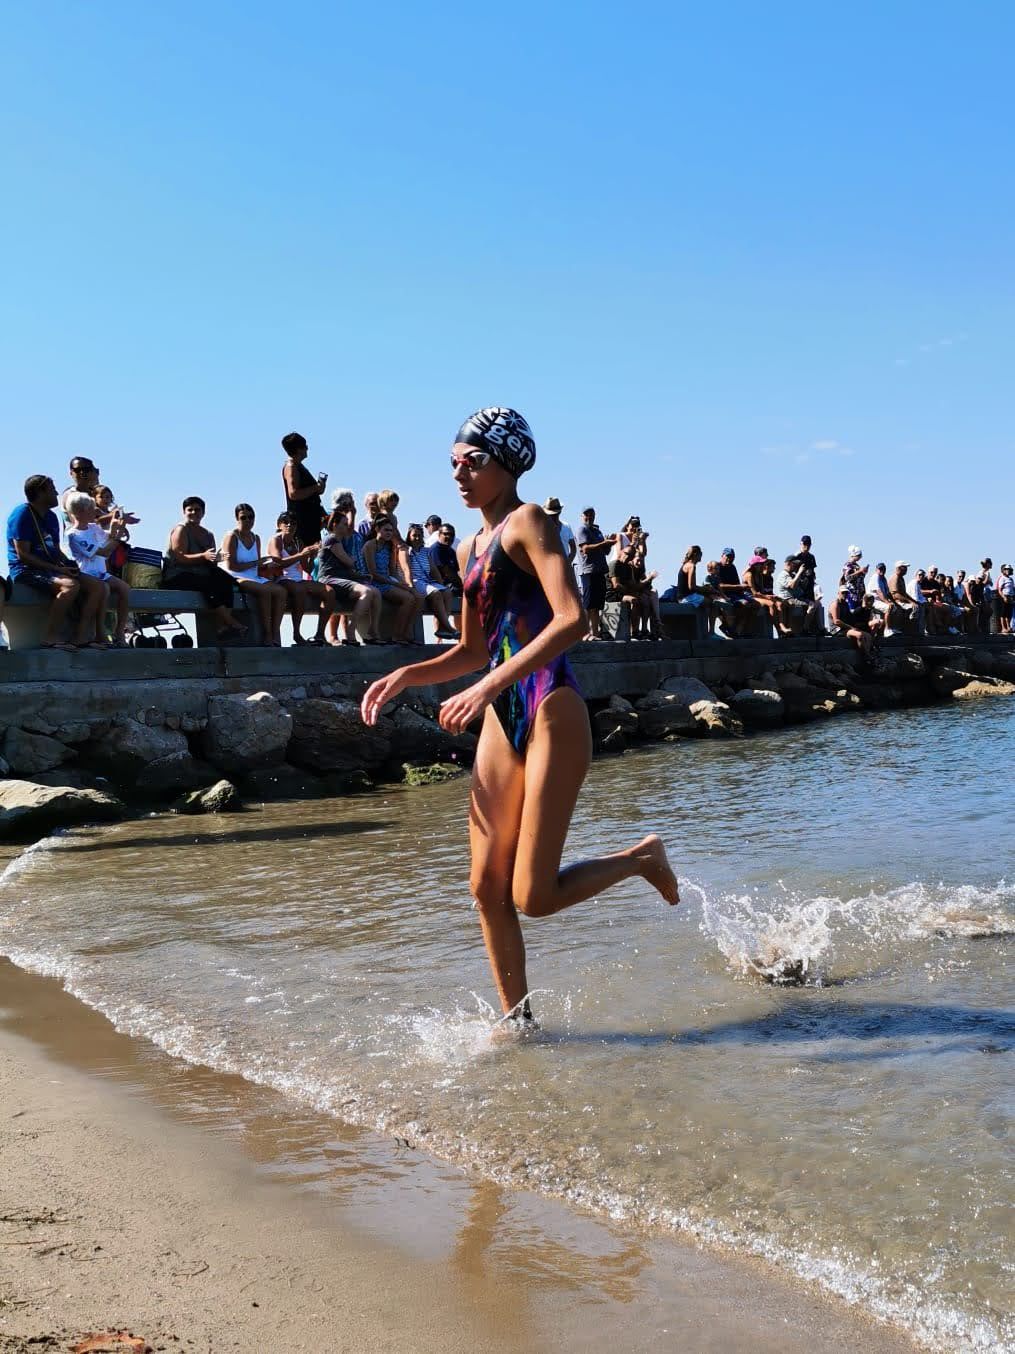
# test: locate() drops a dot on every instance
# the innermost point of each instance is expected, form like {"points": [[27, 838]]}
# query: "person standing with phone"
{"points": [[302, 490]]}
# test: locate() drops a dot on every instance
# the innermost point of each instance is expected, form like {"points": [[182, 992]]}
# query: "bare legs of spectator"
{"points": [[408, 605], [297, 592], [438, 604], [121, 592], [270, 600], [93, 594], [595, 624]]}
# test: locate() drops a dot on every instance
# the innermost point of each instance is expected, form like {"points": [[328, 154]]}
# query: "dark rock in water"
{"points": [[127, 749], [29, 753], [613, 743], [434, 774], [221, 798], [418, 738], [662, 713], [758, 708], [29, 811], [330, 736], [179, 771], [271, 784]]}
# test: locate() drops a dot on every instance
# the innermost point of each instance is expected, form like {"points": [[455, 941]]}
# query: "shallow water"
{"points": [[853, 1128]]}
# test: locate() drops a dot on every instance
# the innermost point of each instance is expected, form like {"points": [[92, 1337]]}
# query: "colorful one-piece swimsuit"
{"points": [[513, 609]]}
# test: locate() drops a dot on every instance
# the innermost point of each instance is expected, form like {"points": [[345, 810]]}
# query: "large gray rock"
{"points": [[715, 719], [222, 797], [29, 753], [246, 731], [949, 681], [417, 738], [983, 686], [662, 713], [179, 771], [331, 736], [29, 811], [128, 748], [688, 689], [759, 709]]}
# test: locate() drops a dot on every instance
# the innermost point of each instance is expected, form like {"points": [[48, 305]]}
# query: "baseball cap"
{"points": [[553, 506], [854, 552], [902, 564]]}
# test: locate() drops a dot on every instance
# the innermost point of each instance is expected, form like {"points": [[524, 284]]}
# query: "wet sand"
{"points": [[137, 1193]]}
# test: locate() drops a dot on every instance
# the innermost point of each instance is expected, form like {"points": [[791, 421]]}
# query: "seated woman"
{"points": [[90, 547], [426, 581], [243, 559], [380, 555], [621, 587], [691, 593], [292, 558], [341, 570], [191, 563], [648, 599], [759, 576]]}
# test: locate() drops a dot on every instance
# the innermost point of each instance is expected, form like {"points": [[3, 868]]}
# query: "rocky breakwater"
{"points": [[71, 753], [798, 690]]}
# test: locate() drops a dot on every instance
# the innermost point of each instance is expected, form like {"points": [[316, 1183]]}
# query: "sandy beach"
{"points": [[117, 1215]]}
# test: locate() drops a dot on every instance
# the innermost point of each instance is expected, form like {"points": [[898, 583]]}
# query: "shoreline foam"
{"points": [[192, 1236]]}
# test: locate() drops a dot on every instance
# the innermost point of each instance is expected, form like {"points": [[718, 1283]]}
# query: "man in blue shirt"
{"points": [[34, 558]]}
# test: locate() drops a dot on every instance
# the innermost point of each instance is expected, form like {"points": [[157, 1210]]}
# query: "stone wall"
{"points": [[193, 739]]}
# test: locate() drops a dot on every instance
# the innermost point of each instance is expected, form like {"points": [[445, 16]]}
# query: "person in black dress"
{"points": [[302, 490]]}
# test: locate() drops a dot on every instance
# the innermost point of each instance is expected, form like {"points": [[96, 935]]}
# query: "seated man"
{"points": [[855, 623], [800, 613], [881, 598], [740, 620], [907, 607], [35, 559], [445, 558]]}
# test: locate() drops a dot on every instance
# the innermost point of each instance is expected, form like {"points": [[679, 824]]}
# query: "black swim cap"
{"points": [[504, 434]]}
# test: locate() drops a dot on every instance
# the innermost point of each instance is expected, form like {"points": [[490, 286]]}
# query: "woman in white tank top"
{"points": [[243, 559]]}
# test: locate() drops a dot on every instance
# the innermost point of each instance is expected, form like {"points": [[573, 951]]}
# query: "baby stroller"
{"points": [[143, 569]]}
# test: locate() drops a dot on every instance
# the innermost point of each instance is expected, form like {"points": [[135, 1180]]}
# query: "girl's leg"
{"points": [[556, 761], [297, 605], [498, 786]]}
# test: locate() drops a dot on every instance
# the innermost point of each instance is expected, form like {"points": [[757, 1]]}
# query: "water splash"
{"points": [[784, 938]]}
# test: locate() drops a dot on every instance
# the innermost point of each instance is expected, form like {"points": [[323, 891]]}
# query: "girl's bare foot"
{"points": [[654, 866]]}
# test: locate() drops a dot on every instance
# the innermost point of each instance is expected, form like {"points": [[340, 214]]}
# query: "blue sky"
{"points": [[746, 269]]}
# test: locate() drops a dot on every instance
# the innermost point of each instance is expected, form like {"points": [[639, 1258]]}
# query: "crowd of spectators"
{"points": [[343, 568]]}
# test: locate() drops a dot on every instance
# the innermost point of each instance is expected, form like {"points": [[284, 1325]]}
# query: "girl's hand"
{"points": [[379, 693], [458, 712]]}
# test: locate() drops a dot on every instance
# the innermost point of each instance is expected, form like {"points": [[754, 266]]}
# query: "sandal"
{"points": [[352, 643], [63, 645]]}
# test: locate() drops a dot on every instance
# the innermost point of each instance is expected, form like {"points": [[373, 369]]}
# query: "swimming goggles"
{"points": [[472, 460]]}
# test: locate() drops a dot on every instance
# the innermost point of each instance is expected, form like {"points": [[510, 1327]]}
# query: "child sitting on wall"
{"points": [[90, 546]]}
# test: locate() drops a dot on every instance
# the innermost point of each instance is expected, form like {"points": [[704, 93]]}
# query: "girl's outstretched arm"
{"points": [[468, 655]]}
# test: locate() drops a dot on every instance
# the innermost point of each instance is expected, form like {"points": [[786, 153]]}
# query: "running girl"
{"points": [[521, 614]]}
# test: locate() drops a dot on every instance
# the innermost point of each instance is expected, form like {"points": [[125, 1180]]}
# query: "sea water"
{"points": [[810, 1060]]}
